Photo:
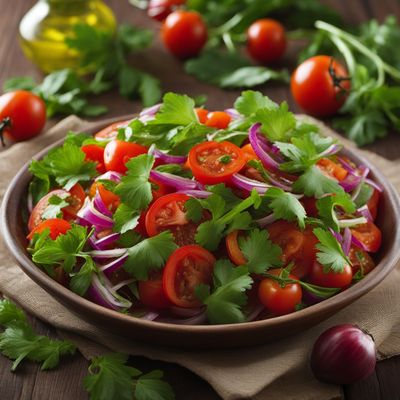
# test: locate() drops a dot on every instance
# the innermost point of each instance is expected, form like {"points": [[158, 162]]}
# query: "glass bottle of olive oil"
{"points": [[44, 28]]}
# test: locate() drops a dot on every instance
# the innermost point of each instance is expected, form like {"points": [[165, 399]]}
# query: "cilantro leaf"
{"points": [[150, 386], [81, 280], [250, 102], [209, 234], [330, 253], [313, 183], [9, 312], [55, 206], [286, 206], [125, 218], [364, 195], [261, 254], [326, 208], [149, 254], [229, 294], [231, 200], [194, 210], [135, 188]]}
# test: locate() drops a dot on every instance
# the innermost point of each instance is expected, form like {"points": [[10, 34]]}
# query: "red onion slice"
{"points": [[110, 176], [109, 268], [357, 243], [265, 158], [150, 111], [346, 242], [269, 219], [374, 185], [350, 182], [150, 315], [100, 206], [364, 211], [105, 254], [242, 182], [234, 114], [167, 158], [174, 181], [199, 194], [107, 240], [89, 213], [196, 320], [331, 150]]}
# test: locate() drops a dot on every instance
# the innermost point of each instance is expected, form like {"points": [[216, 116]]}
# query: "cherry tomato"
{"points": [[160, 9], [151, 292], [215, 162], [95, 153], [56, 226], [111, 131], [187, 267], [218, 119], [184, 33], [168, 213], [330, 279], [201, 114], [318, 91], [373, 204], [266, 40], [360, 259], [369, 235], [279, 300], [22, 115], [158, 189], [249, 153], [76, 199], [332, 169], [110, 199], [297, 246], [117, 153], [234, 251], [310, 205]]}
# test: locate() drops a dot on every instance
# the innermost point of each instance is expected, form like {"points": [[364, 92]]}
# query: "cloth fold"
{"points": [[272, 371]]}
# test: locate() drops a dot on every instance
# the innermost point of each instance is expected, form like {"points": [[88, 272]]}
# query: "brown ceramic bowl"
{"points": [[249, 333]]}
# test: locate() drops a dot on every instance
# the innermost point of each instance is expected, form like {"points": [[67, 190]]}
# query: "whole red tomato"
{"points": [[319, 85], [22, 115], [266, 40], [184, 33]]}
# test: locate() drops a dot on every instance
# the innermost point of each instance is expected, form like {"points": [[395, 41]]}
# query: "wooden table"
{"points": [[65, 382]]}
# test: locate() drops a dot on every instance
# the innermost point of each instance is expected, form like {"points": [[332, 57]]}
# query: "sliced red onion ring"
{"points": [[110, 176], [105, 254], [350, 182], [196, 320], [122, 284], [358, 244], [234, 114], [167, 158], [331, 150], [279, 184], [100, 206], [364, 211], [374, 185], [150, 111], [346, 165], [109, 268], [101, 292], [92, 241], [95, 217], [269, 219], [346, 223], [265, 158], [242, 182], [186, 312], [107, 240], [199, 194], [150, 315], [337, 235], [174, 181], [346, 242]]}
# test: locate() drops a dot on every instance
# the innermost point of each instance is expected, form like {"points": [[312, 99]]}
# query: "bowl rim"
{"points": [[338, 301]]}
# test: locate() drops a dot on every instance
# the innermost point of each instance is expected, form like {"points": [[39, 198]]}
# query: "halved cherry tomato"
{"points": [[158, 189], [279, 300], [266, 40], [232, 246], [373, 204], [160, 9], [110, 199], [75, 200], [95, 153], [57, 227], [369, 235], [360, 259], [332, 169], [330, 279], [151, 292], [249, 153], [201, 114], [215, 162], [314, 88], [310, 205], [187, 267], [168, 213], [218, 119], [117, 153], [111, 131], [297, 246]]}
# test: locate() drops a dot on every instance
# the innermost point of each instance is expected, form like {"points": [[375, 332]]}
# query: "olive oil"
{"points": [[44, 28]]}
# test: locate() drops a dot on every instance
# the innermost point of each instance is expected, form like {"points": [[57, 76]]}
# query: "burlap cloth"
{"points": [[273, 371]]}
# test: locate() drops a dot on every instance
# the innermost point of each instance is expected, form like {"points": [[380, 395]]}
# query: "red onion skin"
{"points": [[343, 354]]}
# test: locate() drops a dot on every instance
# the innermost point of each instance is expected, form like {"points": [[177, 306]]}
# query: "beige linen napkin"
{"points": [[273, 371]]}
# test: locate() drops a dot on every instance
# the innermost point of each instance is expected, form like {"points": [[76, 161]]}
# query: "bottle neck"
{"points": [[68, 7]]}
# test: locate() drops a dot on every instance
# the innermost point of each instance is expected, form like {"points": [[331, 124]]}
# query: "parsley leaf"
{"points": [[9, 312], [135, 188], [55, 206], [81, 280], [150, 386], [149, 254], [313, 183], [229, 294], [330, 253], [261, 254], [250, 102], [125, 218]]}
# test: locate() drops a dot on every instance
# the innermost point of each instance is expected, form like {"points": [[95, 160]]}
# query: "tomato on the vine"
{"points": [[331, 279], [320, 85], [95, 153], [22, 115], [56, 226], [117, 153], [184, 33], [186, 268], [160, 9], [266, 40], [218, 119], [215, 162], [279, 299]]}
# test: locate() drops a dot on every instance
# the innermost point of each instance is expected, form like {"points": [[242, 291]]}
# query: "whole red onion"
{"points": [[343, 354]]}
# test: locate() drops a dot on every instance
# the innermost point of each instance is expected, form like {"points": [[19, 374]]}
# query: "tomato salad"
{"points": [[188, 216]]}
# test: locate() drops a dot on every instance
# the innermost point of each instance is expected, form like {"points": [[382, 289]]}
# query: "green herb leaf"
{"points": [[55, 206], [250, 102], [125, 218]]}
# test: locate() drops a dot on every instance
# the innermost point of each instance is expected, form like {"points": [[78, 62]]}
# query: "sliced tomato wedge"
{"points": [[360, 259], [373, 203], [56, 226], [201, 114], [75, 200], [110, 199], [249, 153], [332, 169], [95, 153], [369, 235], [232, 246], [187, 267], [151, 292], [111, 131], [215, 162], [168, 213], [218, 119]]}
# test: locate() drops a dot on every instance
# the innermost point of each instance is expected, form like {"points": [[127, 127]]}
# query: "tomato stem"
{"points": [[5, 123]]}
